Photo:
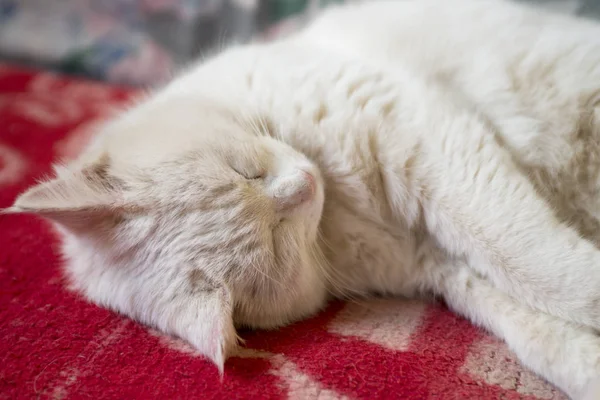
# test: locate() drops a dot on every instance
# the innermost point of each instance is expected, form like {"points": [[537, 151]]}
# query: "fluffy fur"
{"points": [[400, 148]]}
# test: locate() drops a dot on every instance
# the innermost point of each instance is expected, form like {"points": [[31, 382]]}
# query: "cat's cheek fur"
{"points": [[158, 297], [305, 296]]}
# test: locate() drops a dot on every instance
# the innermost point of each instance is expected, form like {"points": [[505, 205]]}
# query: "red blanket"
{"points": [[53, 344]]}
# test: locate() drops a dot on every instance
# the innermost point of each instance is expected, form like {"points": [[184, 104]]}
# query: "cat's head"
{"points": [[186, 218]]}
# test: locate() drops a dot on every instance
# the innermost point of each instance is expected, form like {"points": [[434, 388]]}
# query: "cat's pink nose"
{"points": [[310, 181], [293, 190]]}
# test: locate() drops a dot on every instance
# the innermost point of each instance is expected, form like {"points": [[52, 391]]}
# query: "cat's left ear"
{"points": [[204, 318], [75, 199]]}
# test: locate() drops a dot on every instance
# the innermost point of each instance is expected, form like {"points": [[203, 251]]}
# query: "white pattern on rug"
{"points": [[388, 323]]}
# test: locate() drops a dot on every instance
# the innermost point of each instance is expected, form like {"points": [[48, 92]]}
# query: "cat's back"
{"points": [[534, 75], [436, 34], [495, 52]]}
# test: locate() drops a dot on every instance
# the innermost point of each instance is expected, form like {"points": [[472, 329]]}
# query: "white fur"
{"points": [[451, 148]]}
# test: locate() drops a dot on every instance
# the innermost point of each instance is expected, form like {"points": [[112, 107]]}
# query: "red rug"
{"points": [[55, 345]]}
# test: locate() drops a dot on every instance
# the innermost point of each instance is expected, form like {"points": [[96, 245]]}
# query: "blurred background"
{"points": [[138, 42]]}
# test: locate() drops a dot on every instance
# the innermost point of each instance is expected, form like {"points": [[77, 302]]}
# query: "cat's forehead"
{"points": [[152, 137]]}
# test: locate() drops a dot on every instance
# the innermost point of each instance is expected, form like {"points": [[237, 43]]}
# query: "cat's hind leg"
{"points": [[564, 353]]}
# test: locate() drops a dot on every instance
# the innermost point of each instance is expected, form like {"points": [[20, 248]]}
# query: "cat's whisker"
{"points": [[249, 122], [265, 131], [335, 278], [323, 266], [255, 265], [270, 278]]}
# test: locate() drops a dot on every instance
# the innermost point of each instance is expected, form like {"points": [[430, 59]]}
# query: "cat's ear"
{"points": [[205, 320], [74, 199]]}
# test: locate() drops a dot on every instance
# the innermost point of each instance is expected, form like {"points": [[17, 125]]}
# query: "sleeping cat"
{"points": [[397, 148]]}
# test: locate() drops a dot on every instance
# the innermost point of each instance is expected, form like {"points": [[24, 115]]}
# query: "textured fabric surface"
{"points": [[55, 345]]}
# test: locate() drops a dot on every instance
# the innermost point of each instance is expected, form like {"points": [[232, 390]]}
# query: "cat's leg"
{"points": [[566, 354], [479, 205]]}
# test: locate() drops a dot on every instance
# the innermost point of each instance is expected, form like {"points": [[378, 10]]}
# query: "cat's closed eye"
{"points": [[254, 175]]}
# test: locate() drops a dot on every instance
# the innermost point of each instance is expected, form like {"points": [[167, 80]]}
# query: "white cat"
{"points": [[401, 148]]}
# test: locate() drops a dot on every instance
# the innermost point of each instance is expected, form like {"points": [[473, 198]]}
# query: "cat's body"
{"points": [[421, 148], [533, 77]]}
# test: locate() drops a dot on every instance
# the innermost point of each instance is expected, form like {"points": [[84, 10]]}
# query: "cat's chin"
{"points": [[301, 311], [305, 295]]}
